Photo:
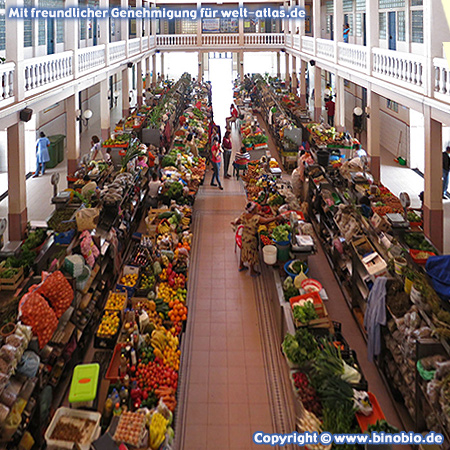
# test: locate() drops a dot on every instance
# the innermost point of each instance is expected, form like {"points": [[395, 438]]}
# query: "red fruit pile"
{"points": [[155, 374], [307, 394]]}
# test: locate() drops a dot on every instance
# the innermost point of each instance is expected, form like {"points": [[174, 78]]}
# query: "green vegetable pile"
{"points": [[417, 241], [298, 266], [413, 217], [169, 161], [255, 139], [300, 348], [62, 215], [281, 233], [304, 314], [34, 239], [382, 425], [289, 289], [175, 191]]}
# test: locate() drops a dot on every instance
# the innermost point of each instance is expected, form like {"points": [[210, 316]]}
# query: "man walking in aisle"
{"points": [[445, 170], [42, 155], [330, 107]]}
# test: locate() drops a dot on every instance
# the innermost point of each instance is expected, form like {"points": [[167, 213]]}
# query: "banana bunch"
{"points": [[172, 341], [159, 341], [185, 221], [158, 428], [163, 228]]}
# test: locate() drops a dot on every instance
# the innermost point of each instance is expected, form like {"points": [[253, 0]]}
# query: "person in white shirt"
{"points": [[153, 191], [97, 151]]}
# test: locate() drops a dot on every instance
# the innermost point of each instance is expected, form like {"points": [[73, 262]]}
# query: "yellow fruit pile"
{"points": [[158, 428], [109, 325], [166, 292], [129, 280], [116, 301], [171, 352]]}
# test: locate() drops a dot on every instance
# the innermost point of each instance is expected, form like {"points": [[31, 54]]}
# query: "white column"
{"points": [[104, 28], [125, 93], [199, 25], [294, 75], [241, 65], [105, 116], [278, 65], [14, 49], [17, 189], [288, 69], [139, 22], [432, 209], [200, 67], [139, 83], [338, 21], [301, 23], [303, 67], [154, 69], [124, 33], [154, 23], [162, 65], [241, 26], [148, 69], [372, 31], [317, 31], [73, 133], [317, 93], [373, 132], [340, 103]]}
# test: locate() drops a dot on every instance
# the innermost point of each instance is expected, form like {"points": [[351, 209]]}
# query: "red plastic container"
{"points": [[422, 261], [317, 301], [377, 414], [112, 374]]}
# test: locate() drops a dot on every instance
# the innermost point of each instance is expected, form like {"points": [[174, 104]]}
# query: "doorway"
{"points": [[331, 28], [392, 31], [50, 36], [220, 74], [95, 34], [364, 29]]}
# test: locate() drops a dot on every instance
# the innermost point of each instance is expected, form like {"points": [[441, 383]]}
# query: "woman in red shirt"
{"points": [[234, 115], [216, 159], [227, 147]]}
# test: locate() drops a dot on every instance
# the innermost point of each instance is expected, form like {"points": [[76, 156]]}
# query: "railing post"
{"points": [[15, 51]]}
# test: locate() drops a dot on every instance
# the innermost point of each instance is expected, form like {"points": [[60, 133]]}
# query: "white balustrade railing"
{"points": [[48, 69], [7, 80], [325, 48], [296, 43], [213, 40], [117, 51], [308, 44], [354, 56], [442, 77], [176, 40], [288, 40], [91, 58], [151, 41], [134, 46], [275, 39], [144, 44], [398, 66]]}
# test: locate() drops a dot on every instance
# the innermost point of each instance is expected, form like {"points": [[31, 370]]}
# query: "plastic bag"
{"points": [[25, 331], [36, 312], [58, 291], [15, 340], [87, 218], [29, 364]]}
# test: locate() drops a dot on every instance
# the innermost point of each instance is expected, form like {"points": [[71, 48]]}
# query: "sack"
{"points": [[87, 218], [58, 291]]}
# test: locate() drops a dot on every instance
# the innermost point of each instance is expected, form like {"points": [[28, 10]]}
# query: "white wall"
{"points": [[417, 144], [177, 63], [262, 62]]}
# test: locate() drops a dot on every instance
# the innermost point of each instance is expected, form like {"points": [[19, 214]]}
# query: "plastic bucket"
{"points": [[408, 285], [270, 254], [323, 158], [283, 249], [399, 264]]}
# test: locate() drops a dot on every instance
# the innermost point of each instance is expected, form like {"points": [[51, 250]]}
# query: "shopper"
{"points": [[346, 32], [330, 107], [227, 148], [216, 159], [97, 151], [251, 220], [445, 170], [241, 160], [234, 114], [148, 97], [42, 155], [191, 145], [153, 191]]}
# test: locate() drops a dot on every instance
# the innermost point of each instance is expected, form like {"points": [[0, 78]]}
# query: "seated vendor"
{"points": [[241, 160]]}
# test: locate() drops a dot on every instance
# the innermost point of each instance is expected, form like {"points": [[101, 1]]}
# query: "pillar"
{"points": [[241, 26], [154, 69], [124, 33], [139, 83], [303, 66], [338, 21], [105, 117], [199, 25], [278, 65], [373, 132], [125, 93], [317, 31], [301, 23], [288, 70], [71, 33], [15, 51], [73, 133], [372, 31], [17, 189], [339, 120], [294, 75], [241, 65], [432, 209], [317, 93], [147, 72], [200, 67], [139, 21]]}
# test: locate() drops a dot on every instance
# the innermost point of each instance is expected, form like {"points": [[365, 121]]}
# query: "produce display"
{"points": [[73, 429], [109, 325], [131, 428], [116, 301]]}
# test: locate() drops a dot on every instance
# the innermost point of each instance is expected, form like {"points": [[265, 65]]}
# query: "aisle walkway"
{"points": [[226, 387]]}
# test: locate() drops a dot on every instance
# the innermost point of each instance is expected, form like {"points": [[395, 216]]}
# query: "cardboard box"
{"points": [[380, 223]]}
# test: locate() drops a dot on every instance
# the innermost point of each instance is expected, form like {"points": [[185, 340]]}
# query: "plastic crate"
{"points": [[377, 414]]}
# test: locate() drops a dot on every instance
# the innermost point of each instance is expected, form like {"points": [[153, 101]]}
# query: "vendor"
{"points": [[97, 153], [153, 191], [251, 220], [191, 145]]}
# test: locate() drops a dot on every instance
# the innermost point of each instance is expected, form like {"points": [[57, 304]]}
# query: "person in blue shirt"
{"points": [[346, 32], [42, 155]]}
